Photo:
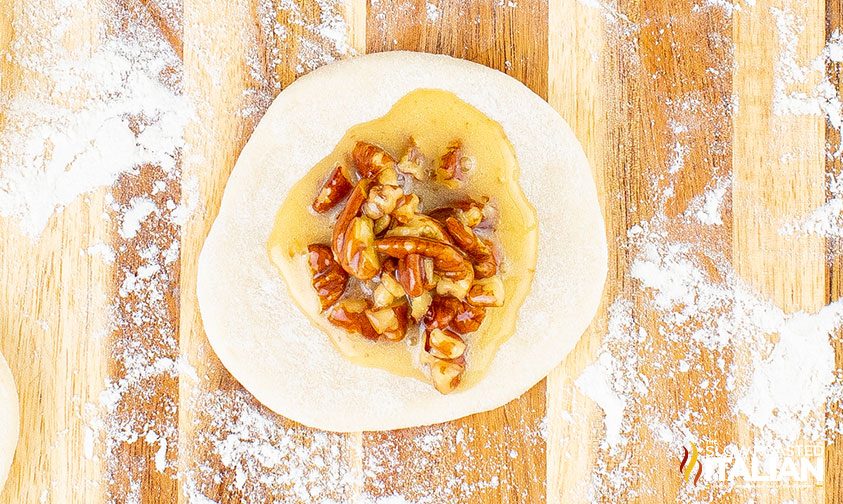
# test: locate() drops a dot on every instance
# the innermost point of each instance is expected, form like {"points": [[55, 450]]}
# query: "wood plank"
{"points": [[576, 40], [834, 267], [658, 92], [495, 456], [238, 75], [53, 313], [778, 173]]}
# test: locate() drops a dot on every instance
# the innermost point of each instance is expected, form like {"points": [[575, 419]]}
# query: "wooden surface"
{"points": [[617, 71]]}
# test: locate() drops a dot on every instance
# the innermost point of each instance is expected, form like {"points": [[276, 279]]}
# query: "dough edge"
{"points": [[9, 420], [288, 365]]}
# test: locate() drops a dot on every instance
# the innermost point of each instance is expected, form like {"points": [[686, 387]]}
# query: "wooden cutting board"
{"points": [[615, 70]]}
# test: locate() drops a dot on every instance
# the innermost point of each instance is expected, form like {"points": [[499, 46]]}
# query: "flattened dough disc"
{"points": [[269, 345]]}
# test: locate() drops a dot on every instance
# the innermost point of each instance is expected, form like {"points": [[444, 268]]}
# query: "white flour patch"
{"points": [[122, 115], [433, 12], [595, 382], [706, 208]]}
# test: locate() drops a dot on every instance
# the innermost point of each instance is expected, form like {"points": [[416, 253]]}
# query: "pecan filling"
{"points": [[394, 267]]}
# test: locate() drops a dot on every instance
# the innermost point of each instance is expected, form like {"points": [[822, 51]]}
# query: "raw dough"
{"points": [[268, 344], [9, 420]]}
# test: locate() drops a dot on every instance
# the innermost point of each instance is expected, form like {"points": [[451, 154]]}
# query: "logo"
{"points": [[686, 467]]}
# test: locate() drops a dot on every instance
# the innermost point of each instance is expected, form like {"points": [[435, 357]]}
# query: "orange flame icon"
{"points": [[686, 467]]}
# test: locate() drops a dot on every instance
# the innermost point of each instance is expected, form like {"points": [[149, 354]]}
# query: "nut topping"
{"points": [[406, 208], [335, 189], [431, 268], [420, 305], [359, 253], [479, 251], [411, 274], [442, 311]]}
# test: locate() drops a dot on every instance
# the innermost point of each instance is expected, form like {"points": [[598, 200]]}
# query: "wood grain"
{"points": [[779, 174], [662, 95]]}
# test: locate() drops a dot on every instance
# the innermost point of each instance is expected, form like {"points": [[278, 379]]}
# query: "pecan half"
{"points": [[446, 258], [346, 216], [370, 159], [421, 226], [478, 250], [328, 278], [359, 253], [350, 314], [333, 191]]}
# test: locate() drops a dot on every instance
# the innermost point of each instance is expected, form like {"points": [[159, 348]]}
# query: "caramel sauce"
{"points": [[434, 118]]}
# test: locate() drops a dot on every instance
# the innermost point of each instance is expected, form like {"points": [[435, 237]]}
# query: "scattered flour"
{"points": [[129, 112]]}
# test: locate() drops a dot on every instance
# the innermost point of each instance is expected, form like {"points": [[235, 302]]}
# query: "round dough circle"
{"points": [[9, 420], [263, 339]]}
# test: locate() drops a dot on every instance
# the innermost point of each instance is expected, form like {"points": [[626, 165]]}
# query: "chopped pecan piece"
{"points": [[453, 165], [469, 318], [446, 375], [406, 208], [444, 344], [387, 291], [442, 311], [333, 191], [359, 252], [350, 314], [469, 212], [486, 292], [398, 332], [456, 287], [413, 162], [371, 159], [382, 224], [382, 201], [419, 305]]}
